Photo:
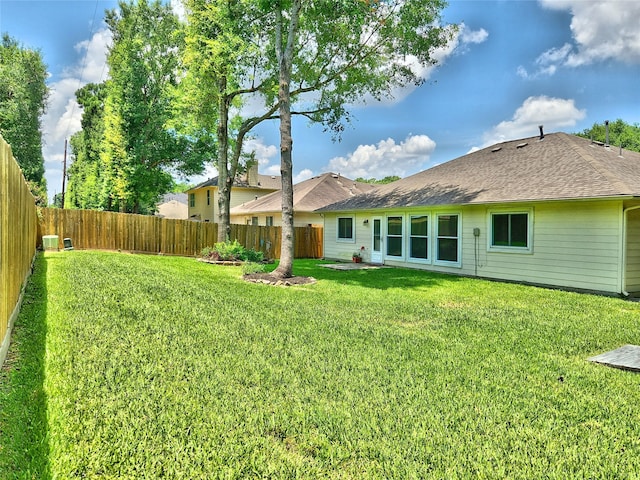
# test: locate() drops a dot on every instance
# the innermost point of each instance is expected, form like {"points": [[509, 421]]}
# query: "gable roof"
{"points": [[170, 197], [308, 195], [559, 166], [267, 182]]}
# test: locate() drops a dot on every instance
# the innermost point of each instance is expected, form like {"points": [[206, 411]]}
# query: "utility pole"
{"points": [[64, 170]]}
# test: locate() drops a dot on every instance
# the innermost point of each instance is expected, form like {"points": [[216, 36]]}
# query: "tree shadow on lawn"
{"points": [[379, 279], [24, 445]]}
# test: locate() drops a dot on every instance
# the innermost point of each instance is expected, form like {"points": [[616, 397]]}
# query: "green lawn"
{"points": [[131, 366]]}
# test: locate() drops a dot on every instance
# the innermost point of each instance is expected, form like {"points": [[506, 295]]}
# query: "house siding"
{"points": [[573, 244], [208, 213], [632, 276]]}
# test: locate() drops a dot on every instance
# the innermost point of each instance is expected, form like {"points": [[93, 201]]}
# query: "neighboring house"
{"points": [[308, 196], [203, 198], [173, 205], [555, 210]]}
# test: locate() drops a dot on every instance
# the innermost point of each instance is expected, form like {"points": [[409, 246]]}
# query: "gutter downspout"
{"points": [[624, 249]]}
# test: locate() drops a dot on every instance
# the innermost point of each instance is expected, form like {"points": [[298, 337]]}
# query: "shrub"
{"points": [[231, 251]]}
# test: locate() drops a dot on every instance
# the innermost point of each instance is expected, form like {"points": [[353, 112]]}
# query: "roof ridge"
{"points": [[615, 181]]}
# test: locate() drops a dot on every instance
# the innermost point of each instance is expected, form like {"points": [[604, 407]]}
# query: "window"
{"points": [[419, 237], [254, 221], [345, 228], [208, 197], [510, 230], [192, 200], [269, 222], [447, 241], [394, 236]]}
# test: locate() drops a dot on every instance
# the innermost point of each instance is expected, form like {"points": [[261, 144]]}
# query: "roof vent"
{"points": [[497, 149], [541, 131], [606, 126], [522, 145]]}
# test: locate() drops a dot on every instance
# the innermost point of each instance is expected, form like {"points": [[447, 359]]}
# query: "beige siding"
{"points": [[201, 211], [173, 209], [208, 213], [300, 219], [633, 252], [574, 244]]}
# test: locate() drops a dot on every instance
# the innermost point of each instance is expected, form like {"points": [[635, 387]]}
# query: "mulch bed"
{"points": [[269, 279]]}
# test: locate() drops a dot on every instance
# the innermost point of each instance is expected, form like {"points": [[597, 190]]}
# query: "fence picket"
{"points": [[95, 230]]}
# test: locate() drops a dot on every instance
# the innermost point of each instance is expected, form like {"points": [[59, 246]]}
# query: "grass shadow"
{"points": [[24, 446]]}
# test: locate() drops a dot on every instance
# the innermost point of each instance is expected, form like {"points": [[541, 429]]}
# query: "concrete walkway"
{"points": [[352, 266]]}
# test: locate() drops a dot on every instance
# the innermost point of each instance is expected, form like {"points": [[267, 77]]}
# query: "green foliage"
{"points": [[620, 133], [231, 251], [23, 100], [382, 181], [388, 373], [85, 188], [128, 149], [251, 267]]}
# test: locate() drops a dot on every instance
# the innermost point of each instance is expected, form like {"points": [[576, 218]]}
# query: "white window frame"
{"points": [[402, 237], [505, 248], [429, 238], [353, 229], [437, 236]]}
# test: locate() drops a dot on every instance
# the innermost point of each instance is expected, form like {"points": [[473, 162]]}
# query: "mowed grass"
{"points": [[160, 367]]}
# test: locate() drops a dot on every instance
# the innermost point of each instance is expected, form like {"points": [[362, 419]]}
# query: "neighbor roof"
{"points": [[558, 166], [308, 195], [267, 182]]}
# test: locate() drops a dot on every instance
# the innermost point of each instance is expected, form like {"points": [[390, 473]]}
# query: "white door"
{"points": [[376, 241]]}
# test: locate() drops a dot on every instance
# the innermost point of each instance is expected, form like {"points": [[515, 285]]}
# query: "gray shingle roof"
{"points": [[308, 195], [560, 166]]}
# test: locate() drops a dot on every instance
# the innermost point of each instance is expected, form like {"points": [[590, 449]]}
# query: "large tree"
{"points": [[23, 98], [330, 55], [224, 64], [140, 152], [85, 172]]}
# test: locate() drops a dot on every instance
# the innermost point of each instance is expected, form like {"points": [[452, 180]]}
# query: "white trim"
{"points": [[385, 251], [353, 229], [458, 238], [429, 238], [504, 248]]}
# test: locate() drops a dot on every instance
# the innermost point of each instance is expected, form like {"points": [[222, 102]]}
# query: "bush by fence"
{"points": [[18, 235], [90, 229]]}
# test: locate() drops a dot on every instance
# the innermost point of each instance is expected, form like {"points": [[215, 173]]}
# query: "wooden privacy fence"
{"points": [[91, 229], [18, 235]]}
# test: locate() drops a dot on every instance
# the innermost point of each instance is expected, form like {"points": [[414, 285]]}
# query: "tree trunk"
{"points": [[285, 59], [224, 183]]}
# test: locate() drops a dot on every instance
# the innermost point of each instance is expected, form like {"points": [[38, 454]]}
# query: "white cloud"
{"points": [[178, 8], [603, 30], [63, 113], [553, 113], [305, 174], [467, 36], [386, 158], [458, 45]]}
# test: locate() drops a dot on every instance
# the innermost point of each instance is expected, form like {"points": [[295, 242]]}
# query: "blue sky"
{"points": [[564, 64]]}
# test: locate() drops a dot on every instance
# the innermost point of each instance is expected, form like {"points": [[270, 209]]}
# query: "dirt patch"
{"points": [[269, 279]]}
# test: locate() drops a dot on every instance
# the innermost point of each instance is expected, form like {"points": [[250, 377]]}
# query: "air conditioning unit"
{"points": [[50, 242]]}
